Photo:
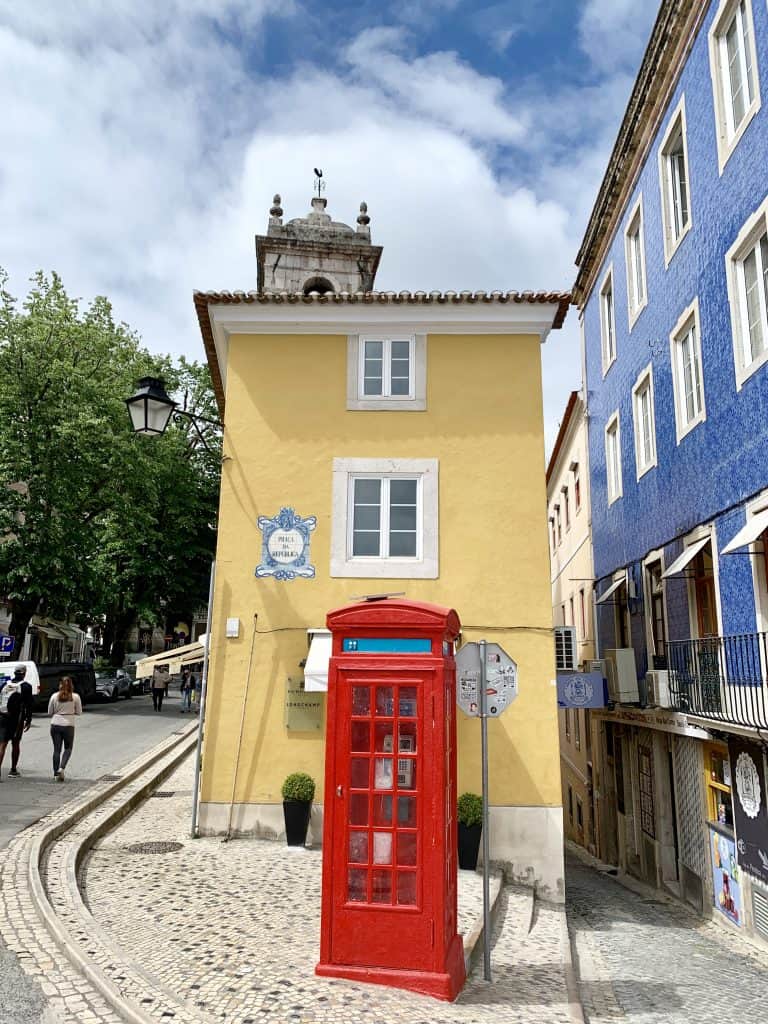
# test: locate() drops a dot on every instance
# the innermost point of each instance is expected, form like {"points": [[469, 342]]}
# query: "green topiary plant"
{"points": [[470, 809], [299, 786]]}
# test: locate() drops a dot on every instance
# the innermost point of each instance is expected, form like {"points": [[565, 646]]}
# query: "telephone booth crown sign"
{"points": [[389, 841]]}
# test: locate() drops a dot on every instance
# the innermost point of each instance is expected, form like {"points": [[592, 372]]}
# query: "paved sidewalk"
{"points": [[232, 929], [643, 959]]}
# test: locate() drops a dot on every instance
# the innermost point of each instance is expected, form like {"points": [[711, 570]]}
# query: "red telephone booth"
{"points": [[389, 840]]}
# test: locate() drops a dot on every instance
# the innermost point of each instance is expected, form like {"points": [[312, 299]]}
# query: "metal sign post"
{"points": [[486, 684], [486, 827]]}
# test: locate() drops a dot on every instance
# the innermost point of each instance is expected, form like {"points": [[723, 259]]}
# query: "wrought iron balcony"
{"points": [[721, 677]]}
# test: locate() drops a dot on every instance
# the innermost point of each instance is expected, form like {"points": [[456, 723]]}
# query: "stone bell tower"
{"points": [[315, 253]]}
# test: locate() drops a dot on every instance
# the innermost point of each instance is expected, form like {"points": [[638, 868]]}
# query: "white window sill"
{"points": [[614, 499], [387, 404], [684, 431], [726, 147], [607, 366], [642, 470], [744, 373], [385, 568], [635, 313], [670, 248]]}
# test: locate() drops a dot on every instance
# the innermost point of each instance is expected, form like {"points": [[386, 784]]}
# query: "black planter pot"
{"points": [[469, 845], [296, 814]]}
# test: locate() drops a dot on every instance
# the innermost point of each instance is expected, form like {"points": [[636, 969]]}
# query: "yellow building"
{"points": [[572, 578], [375, 442]]}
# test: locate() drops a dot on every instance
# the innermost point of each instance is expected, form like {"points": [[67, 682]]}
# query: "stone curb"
{"points": [[186, 739], [473, 940], [575, 1005]]}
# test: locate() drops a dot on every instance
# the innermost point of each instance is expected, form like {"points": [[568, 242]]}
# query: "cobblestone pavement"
{"points": [[644, 960], [232, 930]]}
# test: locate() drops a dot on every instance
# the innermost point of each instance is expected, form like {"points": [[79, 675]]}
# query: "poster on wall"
{"points": [[750, 817], [285, 545], [725, 875]]}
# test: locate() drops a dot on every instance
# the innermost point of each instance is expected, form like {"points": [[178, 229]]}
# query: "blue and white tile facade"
{"points": [[723, 461]]}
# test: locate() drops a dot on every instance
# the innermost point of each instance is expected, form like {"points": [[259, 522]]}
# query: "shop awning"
{"points": [[50, 631], [193, 658], [146, 666], [687, 556], [316, 668], [612, 589], [749, 533]]}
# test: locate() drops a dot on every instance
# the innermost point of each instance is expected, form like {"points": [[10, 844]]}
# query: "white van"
{"points": [[7, 668]]}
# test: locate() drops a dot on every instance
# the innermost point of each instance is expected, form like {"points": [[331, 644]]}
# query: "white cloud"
{"points": [[613, 33], [439, 86]]}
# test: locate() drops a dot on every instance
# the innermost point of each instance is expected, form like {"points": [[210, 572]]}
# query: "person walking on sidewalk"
{"points": [[186, 692], [158, 690], [63, 707], [16, 706]]}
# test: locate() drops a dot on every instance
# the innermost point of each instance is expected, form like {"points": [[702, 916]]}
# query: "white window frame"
{"points": [[635, 261], [677, 124], [425, 564], [758, 564], [644, 382], [610, 474], [688, 318], [607, 323], [755, 227], [415, 401], [729, 134]]}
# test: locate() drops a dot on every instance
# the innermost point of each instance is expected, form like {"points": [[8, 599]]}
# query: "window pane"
{"points": [[406, 848], [400, 384], [402, 492], [361, 735], [382, 847], [385, 701], [373, 368], [381, 890], [367, 517], [406, 888], [367, 492], [406, 702], [401, 350], [358, 809], [358, 847], [365, 544], [356, 885], [403, 517], [361, 700], [358, 773], [402, 545]]}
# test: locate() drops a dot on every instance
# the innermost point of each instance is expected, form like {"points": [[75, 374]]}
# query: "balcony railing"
{"points": [[721, 677]]}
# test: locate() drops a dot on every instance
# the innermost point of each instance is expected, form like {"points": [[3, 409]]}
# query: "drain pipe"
{"points": [[228, 834], [201, 712]]}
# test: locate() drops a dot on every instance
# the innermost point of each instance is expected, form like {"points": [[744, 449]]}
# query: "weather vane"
{"points": [[319, 184]]}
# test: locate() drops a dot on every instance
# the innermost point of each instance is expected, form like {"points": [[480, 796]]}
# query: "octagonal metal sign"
{"points": [[500, 679]]}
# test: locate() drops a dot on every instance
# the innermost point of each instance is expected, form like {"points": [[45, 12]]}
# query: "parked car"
{"points": [[113, 683], [138, 686], [82, 674]]}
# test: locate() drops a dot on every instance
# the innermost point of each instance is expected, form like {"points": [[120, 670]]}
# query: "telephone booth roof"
{"points": [[395, 613]]}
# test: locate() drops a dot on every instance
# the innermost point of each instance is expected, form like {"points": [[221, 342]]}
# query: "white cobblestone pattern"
{"points": [[232, 929], [646, 959], [71, 997]]}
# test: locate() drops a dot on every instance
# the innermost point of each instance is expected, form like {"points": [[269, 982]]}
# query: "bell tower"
{"points": [[315, 253]]}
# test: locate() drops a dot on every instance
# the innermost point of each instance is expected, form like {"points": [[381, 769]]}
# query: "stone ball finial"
{"points": [[276, 210], [363, 218]]}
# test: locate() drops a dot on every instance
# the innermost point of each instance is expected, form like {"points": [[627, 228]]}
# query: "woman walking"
{"points": [[158, 689], [63, 706]]}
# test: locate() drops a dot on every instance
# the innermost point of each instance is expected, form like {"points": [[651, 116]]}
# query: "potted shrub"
{"points": [[469, 814], [298, 793]]}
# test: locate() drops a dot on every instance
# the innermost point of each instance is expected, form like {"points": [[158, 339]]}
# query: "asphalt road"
{"points": [[107, 736]]}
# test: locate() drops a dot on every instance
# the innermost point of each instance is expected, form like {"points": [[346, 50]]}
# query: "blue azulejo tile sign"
{"points": [[580, 690], [285, 545]]}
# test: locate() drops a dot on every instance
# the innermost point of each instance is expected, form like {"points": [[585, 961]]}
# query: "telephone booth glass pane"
{"points": [[361, 737], [382, 817], [358, 773]]}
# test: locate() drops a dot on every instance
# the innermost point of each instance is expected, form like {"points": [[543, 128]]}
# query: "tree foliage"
{"points": [[96, 522]]}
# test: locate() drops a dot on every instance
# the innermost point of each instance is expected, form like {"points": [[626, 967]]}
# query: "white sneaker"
{"points": [[60, 777]]}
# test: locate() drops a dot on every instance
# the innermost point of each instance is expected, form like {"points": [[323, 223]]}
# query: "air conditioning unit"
{"points": [[658, 688], [596, 666], [566, 657], [622, 675]]}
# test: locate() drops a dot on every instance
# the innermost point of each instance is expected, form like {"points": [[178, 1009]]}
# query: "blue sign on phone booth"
{"points": [[6, 644]]}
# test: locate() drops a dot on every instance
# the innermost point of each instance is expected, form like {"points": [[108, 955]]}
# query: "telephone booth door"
{"points": [[379, 812], [389, 839]]}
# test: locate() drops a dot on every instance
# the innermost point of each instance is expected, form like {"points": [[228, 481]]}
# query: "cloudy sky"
{"points": [[143, 140]]}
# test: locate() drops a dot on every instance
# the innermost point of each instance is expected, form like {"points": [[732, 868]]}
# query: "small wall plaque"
{"points": [[233, 628], [285, 545], [303, 710]]}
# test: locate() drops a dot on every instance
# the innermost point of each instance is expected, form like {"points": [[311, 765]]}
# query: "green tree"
{"points": [[94, 521]]}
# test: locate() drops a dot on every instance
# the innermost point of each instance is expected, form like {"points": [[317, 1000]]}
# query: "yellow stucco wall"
{"points": [[286, 422]]}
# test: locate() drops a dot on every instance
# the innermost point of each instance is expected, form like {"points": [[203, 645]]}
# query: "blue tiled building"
{"points": [[673, 291]]}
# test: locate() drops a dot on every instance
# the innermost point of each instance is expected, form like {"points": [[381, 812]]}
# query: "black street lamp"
{"points": [[151, 410]]}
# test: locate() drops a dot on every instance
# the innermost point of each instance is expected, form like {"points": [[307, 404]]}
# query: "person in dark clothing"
{"points": [[16, 718]]}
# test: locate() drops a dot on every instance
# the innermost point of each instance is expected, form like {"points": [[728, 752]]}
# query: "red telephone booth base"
{"points": [[441, 986]]}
